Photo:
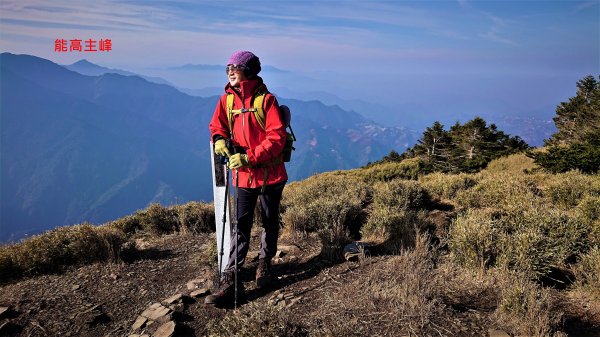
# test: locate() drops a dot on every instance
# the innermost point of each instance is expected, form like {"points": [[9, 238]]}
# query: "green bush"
{"points": [[323, 202], [588, 272], [514, 164], [569, 188], [400, 194], [392, 229], [474, 238], [330, 205], [587, 213], [447, 186], [502, 190], [406, 169], [531, 240], [584, 156]]}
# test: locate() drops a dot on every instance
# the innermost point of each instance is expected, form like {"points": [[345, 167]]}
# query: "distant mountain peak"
{"points": [[84, 62]]}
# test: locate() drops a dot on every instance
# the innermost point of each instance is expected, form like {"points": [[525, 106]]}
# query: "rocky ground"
{"points": [[159, 292]]}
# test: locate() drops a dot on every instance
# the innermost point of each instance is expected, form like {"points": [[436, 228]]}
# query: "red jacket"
{"points": [[262, 145]]}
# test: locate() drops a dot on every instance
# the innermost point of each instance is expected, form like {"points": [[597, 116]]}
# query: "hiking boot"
{"points": [[225, 295], [264, 277]]}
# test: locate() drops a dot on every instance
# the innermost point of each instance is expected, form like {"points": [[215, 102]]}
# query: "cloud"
{"points": [[493, 35]]}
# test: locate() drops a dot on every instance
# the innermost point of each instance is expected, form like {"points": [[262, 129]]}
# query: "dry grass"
{"points": [[57, 249], [61, 247], [588, 273], [330, 205], [447, 186], [514, 164], [525, 308], [568, 189], [256, 319], [406, 169], [396, 295], [531, 239], [156, 220], [473, 238]]}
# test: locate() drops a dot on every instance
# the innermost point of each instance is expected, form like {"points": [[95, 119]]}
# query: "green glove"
{"points": [[221, 148], [237, 161]]}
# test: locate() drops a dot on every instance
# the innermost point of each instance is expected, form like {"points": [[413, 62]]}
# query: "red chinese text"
{"points": [[77, 45]]}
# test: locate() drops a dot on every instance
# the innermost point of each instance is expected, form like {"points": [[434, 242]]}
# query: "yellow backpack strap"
{"points": [[230, 112], [259, 113], [257, 109]]}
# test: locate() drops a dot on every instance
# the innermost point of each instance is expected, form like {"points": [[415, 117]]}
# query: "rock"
{"points": [[166, 330], [199, 293], [153, 310], [75, 287], [114, 276], [173, 299], [193, 284], [497, 333], [139, 323], [155, 305], [158, 313], [166, 318]]}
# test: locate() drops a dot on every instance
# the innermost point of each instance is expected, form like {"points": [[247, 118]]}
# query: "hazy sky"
{"points": [[422, 49]]}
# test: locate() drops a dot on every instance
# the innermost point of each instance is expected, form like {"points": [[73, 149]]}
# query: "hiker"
{"points": [[256, 154]]}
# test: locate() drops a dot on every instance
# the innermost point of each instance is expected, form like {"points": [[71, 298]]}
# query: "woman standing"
{"points": [[255, 158]]}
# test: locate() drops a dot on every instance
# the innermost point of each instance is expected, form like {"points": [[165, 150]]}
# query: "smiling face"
{"points": [[235, 75]]}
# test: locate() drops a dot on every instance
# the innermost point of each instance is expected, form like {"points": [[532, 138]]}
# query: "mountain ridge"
{"points": [[98, 131]]}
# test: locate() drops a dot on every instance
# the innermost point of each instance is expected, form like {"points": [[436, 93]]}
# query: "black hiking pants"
{"points": [[269, 201]]}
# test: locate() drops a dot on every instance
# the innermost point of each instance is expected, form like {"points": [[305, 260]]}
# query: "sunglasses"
{"points": [[234, 68]]}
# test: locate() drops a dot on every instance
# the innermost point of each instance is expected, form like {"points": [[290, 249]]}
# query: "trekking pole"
{"points": [[221, 253], [235, 212]]}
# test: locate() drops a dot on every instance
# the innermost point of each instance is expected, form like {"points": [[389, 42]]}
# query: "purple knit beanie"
{"points": [[248, 60]]}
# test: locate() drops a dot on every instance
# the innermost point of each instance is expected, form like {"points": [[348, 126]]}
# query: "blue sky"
{"points": [[528, 52]]}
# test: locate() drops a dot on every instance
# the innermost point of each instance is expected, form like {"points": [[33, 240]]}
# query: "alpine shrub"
{"points": [[388, 171], [526, 309], [569, 188], [157, 220], [447, 186], [195, 217], [56, 249], [588, 271], [474, 236]]}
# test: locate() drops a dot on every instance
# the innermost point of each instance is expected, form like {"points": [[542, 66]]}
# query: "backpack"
{"points": [[259, 113]]}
